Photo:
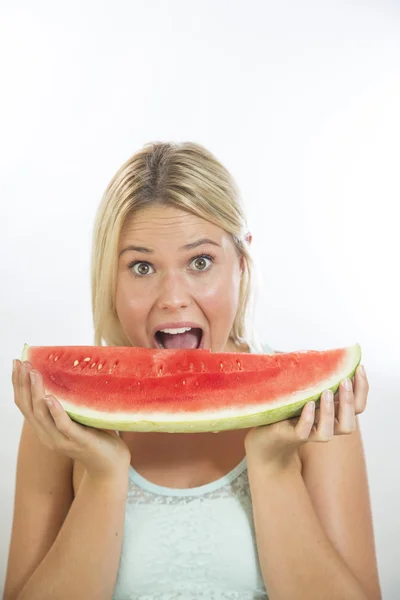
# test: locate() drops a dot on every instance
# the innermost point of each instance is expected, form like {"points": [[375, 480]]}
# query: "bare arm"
{"points": [[336, 479], [314, 532], [63, 548]]}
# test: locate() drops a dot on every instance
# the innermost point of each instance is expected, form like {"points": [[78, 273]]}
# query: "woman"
{"points": [[238, 514]]}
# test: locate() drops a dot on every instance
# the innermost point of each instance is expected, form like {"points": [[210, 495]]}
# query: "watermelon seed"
{"points": [[56, 358], [99, 367], [239, 365], [51, 356], [86, 359], [76, 363], [221, 366], [183, 382], [92, 365]]}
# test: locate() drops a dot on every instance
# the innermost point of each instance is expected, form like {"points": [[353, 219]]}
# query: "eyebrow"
{"points": [[186, 247]]}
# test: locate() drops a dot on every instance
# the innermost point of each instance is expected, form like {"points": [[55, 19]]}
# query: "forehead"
{"points": [[156, 224]]}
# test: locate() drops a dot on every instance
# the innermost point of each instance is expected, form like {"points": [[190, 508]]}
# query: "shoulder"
{"points": [[260, 347], [267, 349]]}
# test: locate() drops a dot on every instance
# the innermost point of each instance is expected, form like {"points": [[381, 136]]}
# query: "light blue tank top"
{"points": [[190, 544]]}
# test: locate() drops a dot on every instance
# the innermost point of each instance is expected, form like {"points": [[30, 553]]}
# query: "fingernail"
{"points": [[310, 407], [32, 376], [49, 402], [347, 384], [361, 370], [329, 396], [14, 365]]}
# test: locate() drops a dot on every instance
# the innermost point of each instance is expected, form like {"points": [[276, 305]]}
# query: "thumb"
{"points": [[109, 432]]}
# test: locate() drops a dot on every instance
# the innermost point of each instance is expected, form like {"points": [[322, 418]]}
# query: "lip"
{"points": [[176, 325]]}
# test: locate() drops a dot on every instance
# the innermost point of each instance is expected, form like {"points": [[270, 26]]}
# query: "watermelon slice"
{"points": [[144, 389]]}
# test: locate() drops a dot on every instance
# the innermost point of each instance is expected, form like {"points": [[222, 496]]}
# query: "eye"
{"points": [[201, 262], [140, 268]]}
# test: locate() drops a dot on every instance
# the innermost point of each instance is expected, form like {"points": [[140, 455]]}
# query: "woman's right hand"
{"points": [[102, 452]]}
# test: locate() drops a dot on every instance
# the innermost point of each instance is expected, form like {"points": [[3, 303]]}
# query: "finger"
{"points": [[305, 423], [39, 407], [25, 395], [361, 390], [51, 416], [60, 429], [111, 432], [346, 420], [15, 381], [65, 425], [324, 430]]}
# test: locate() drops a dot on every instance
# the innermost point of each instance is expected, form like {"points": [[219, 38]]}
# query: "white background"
{"points": [[300, 100]]}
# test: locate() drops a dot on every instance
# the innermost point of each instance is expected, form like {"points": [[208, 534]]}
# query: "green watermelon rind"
{"points": [[214, 424]]}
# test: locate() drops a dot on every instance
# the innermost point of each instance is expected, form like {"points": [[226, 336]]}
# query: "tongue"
{"points": [[189, 339]]}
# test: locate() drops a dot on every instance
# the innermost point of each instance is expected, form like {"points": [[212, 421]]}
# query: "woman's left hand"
{"points": [[276, 445]]}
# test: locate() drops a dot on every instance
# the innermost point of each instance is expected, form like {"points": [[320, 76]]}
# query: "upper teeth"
{"points": [[178, 330]]}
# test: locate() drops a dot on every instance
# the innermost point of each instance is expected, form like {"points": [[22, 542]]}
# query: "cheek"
{"points": [[221, 297], [128, 305]]}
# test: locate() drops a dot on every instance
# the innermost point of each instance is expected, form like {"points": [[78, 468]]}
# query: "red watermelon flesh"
{"points": [[143, 389]]}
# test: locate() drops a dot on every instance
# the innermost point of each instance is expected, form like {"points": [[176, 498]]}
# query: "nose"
{"points": [[173, 293]]}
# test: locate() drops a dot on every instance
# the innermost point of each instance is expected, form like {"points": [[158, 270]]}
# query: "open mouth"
{"points": [[191, 338]]}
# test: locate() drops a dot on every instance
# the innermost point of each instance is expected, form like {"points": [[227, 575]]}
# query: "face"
{"points": [[176, 268]]}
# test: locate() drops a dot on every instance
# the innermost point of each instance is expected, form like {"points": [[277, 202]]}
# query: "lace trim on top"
{"points": [[233, 483]]}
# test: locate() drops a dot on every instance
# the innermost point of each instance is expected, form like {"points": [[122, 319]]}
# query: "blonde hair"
{"points": [[185, 176]]}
